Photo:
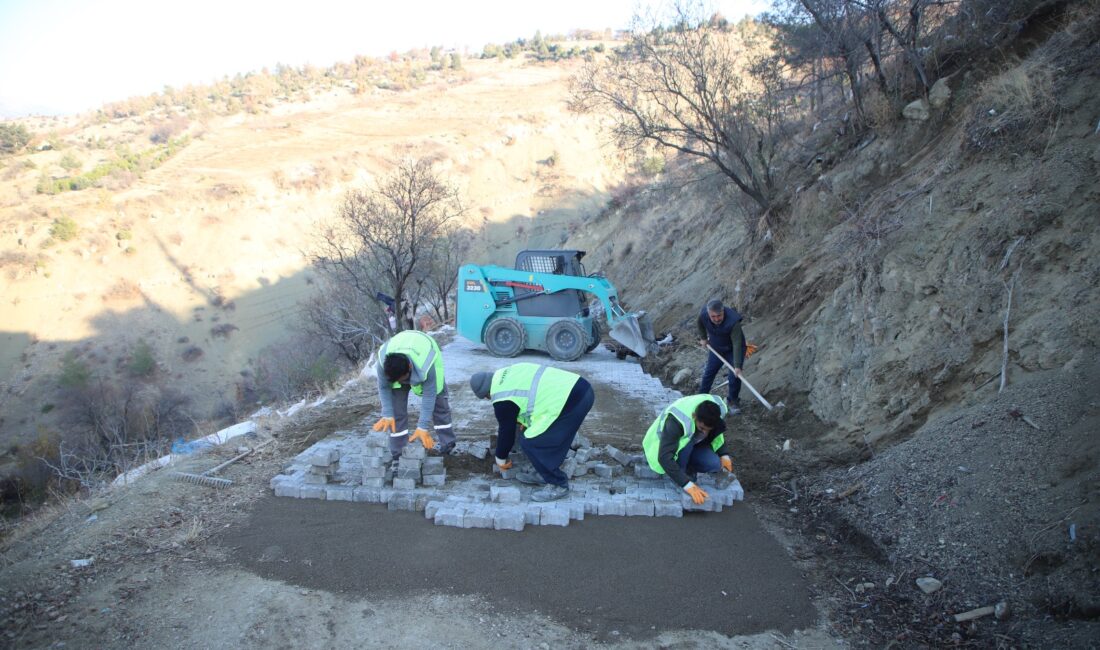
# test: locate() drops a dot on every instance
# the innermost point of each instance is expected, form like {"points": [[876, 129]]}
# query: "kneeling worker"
{"points": [[550, 404], [413, 360], [686, 438]]}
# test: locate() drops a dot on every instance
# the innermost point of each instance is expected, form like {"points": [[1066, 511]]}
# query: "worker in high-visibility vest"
{"points": [[412, 360], [547, 405], [686, 438]]}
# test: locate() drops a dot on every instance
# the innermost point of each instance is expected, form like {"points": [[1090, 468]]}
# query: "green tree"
{"points": [[13, 137], [64, 229], [75, 374], [456, 61], [142, 362]]}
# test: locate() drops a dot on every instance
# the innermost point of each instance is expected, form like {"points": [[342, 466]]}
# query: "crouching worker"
{"points": [[413, 360], [686, 438], [549, 405]]}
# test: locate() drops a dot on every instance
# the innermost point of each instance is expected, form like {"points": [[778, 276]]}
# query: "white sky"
{"points": [[67, 56]]}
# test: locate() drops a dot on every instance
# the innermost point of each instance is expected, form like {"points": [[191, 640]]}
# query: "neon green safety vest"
{"points": [[682, 409], [422, 351], [540, 392]]}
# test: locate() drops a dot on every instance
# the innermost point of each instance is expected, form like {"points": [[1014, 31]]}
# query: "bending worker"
{"points": [[550, 405], [413, 360], [720, 326], [686, 438]]}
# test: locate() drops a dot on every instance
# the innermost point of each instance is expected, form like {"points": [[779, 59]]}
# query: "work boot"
{"points": [[529, 477], [551, 493], [442, 450], [734, 407]]}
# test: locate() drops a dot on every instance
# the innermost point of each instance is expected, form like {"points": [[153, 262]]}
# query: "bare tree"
{"points": [[387, 233], [691, 88], [355, 324], [452, 249]]}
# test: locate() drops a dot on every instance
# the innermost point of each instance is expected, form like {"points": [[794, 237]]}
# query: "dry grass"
{"points": [[122, 290], [1018, 102]]}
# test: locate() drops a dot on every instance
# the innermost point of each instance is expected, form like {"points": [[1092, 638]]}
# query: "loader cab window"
{"points": [[558, 303], [541, 264]]}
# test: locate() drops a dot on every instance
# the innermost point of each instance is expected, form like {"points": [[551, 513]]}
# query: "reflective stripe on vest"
{"points": [[421, 350], [539, 391], [682, 409]]}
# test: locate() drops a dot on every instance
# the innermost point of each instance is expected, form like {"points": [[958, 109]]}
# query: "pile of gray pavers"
{"points": [[356, 466]]}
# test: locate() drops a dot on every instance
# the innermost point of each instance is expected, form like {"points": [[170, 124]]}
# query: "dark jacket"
{"points": [[725, 337], [670, 439]]}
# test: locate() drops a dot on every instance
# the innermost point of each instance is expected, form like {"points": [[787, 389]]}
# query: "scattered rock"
{"points": [[917, 110], [940, 93], [974, 613], [680, 376], [1001, 611], [929, 585]]}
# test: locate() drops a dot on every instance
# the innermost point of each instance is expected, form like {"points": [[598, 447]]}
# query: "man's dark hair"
{"points": [[708, 414], [395, 366], [715, 306]]}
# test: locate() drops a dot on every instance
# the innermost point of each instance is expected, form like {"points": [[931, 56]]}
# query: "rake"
{"points": [[206, 479]]}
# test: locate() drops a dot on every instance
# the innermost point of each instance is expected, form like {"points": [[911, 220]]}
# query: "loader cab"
{"points": [[556, 262]]}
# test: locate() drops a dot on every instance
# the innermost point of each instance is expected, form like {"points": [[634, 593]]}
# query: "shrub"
{"points": [[75, 374], [142, 363], [70, 163], [64, 229], [124, 235], [13, 137], [653, 165], [192, 353]]}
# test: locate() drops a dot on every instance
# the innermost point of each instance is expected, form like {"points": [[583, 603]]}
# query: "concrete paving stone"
{"points": [[645, 472], [667, 509], [637, 458], [374, 481], [373, 461], [602, 469], [367, 495], [405, 501], [415, 450], [581, 455], [312, 492], [611, 506], [450, 517], [635, 508], [710, 505], [324, 458], [477, 517], [592, 505], [568, 466], [376, 452], [576, 508], [410, 463], [618, 455], [554, 515], [340, 493], [315, 479], [374, 472], [434, 480], [532, 513], [580, 470], [508, 519], [432, 507], [287, 490], [407, 472], [376, 440], [404, 483], [581, 442], [479, 452], [433, 466], [504, 494]]}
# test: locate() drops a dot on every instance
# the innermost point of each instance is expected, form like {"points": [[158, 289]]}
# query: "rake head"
{"points": [[198, 479]]}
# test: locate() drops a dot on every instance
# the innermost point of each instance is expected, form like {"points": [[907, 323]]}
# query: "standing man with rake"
{"points": [[720, 326]]}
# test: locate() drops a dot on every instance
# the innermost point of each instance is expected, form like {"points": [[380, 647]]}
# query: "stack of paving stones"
{"points": [[355, 466]]}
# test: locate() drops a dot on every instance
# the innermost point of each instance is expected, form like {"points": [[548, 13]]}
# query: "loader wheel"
{"points": [[566, 340], [595, 339], [505, 337]]}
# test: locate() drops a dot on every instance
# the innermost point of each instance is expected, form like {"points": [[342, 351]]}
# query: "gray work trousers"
{"points": [[441, 418]]}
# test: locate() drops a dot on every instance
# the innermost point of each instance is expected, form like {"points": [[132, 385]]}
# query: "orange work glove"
{"points": [[386, 424], [502, 464], [750, 350], [696, 492], [423, 437], [727, 464]]}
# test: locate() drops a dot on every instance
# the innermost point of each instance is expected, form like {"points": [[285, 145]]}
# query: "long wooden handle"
{"points": [[744, 381]]}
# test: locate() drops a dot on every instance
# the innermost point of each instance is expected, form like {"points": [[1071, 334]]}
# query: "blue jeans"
{"points": [[710, 371], [698, 458]]}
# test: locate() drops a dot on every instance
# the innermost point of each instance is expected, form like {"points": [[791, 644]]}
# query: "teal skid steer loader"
{"points": [[541, 305]]}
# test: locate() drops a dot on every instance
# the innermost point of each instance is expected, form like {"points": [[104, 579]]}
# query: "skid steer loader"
{"points": [[541, 305]]}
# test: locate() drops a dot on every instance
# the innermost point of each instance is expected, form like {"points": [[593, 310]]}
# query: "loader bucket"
{"points": [[635, 331]]}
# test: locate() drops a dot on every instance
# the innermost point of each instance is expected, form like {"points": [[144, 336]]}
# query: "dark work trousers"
{"points": [[710, 371], [441, 418], [698, 457], [547, 450]]}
